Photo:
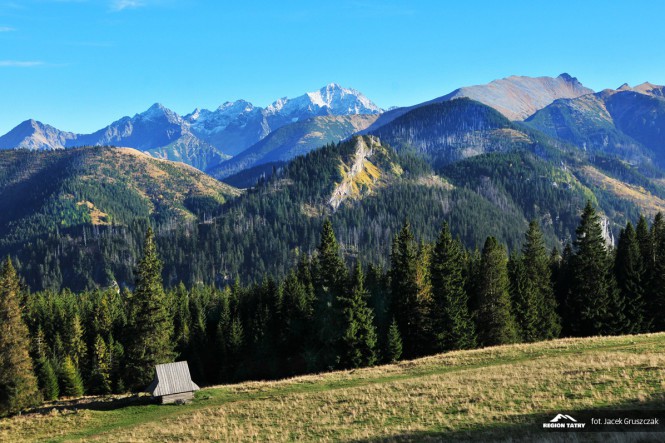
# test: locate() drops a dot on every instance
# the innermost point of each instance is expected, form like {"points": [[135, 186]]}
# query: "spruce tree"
{"points": [[452, 325], [48, 380], [631, 278], [76, 347], [236, 337], [236, 344], [656, 299], [331, 273], [393, 343], [330, 277], [593, 292], [424, 281], [645, 243], [657, 232], [297, 313], [523, 299], [359, 339], [182, 317], [535, 303], [18, 385], [562, 285], [116, 358], [100, 379], [151, 328], [407, 308], [495, 321], [71, 384]]}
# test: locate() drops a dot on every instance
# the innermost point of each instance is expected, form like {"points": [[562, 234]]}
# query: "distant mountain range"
{"points": [[206, 139], [203, 138], [238, 136]]}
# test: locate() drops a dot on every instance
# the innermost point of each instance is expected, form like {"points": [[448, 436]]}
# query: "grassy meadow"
{"points": [[500, 393]]}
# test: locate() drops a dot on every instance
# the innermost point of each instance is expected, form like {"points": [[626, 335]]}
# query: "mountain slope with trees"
{"points": [[624, 123], [290, 141]]}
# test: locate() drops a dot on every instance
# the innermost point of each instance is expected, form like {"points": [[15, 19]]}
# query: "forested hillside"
{"points": [[433, 297], [55, 207], [622, 123]]}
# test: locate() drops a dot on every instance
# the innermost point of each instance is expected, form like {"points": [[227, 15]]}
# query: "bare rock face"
{"points": [[518, 97], [607, 232], [359, 170]]}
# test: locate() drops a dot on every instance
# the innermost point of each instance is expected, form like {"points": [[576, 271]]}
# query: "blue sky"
{"points": [[80, 64]]}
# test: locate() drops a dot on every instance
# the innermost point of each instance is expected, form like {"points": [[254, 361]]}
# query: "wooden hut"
{"points": [[172, 383]]}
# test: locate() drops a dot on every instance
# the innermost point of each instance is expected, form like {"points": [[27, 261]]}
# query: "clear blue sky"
{"points": [[80, 64]]}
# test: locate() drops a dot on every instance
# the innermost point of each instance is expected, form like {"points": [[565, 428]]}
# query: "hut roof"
{"points": [[172, 378]]}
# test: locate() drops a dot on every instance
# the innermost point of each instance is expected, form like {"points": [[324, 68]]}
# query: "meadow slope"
{"points": [[487, 394]]}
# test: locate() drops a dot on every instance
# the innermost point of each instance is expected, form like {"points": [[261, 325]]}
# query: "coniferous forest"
{"points": [[324, 314]]}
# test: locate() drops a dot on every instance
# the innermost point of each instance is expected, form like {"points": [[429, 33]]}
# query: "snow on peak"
{"points": [[159, 111], [195, 114], [276, 106], [235, 107], [331, 99]]}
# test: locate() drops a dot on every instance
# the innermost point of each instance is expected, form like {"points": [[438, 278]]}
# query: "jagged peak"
{"points": [[239, 104], [158, 110], [30, 122], [567, 77]]}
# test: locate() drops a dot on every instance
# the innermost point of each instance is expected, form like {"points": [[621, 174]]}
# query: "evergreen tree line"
{"points": [[434, 297]]}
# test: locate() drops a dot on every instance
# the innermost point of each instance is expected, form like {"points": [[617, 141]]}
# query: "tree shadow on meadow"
{"points": [[109, 403]]}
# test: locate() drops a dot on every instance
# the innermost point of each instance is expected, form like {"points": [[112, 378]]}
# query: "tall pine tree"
{"points": [[593, 288], [100, 379], [452, 325], [297, 314], [533, 294], [407, 307], [656, 299], [71, 384], [393, 343], [151, 327], [48, 380], [495, 321], [645, 243], [330, 277], [359, 339], [631, 278], [18, 384]]}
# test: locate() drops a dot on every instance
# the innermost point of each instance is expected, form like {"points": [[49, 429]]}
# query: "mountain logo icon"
{"points": [[563, 417]]}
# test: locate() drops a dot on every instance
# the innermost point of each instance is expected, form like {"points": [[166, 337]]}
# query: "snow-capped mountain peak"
{"points": [[157, 112], [231, 127], [332, 99], [238, 106], [276, 106]]}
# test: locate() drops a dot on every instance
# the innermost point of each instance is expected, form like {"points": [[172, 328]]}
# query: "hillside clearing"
{"points": [[492, 393]]}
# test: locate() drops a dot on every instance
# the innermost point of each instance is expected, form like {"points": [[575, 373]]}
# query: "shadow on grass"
{"points": [[528, 428], [94, 404]]}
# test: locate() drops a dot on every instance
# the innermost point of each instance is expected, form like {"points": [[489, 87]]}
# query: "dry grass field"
{"points": [[500, 393]]}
